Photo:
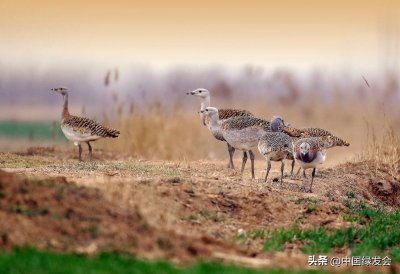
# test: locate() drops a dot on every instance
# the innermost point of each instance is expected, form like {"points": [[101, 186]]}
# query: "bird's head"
{"points": [[61, 90], [200, 92], [210, 111], [305, 148], [277, 124]]}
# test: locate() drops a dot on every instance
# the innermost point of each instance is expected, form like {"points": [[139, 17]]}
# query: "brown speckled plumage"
{"points": [[86, 125], [276, 146], [229, 113], [239, 123], [313, 132], [225, 114], [275, 142]]}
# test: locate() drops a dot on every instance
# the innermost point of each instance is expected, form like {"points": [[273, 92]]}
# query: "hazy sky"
{"points": [[297, 34]]}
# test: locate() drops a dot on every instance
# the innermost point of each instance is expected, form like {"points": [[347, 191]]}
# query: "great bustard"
{"points": [[296, 134], [311, 152], [276, 146], [241, 132], [224, 114], [81, 129]]}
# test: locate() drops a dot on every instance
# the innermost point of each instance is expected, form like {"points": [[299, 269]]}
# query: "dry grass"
{"points": [[178, 134], [8, 160], [384, 150], [159, 134]]}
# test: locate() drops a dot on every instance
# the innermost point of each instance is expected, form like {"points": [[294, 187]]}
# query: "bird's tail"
{"points": [[333, 141], [112, 133]]}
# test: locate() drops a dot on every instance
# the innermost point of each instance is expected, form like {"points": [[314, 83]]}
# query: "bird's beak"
{"points": [[190, 93], [201, 111]]}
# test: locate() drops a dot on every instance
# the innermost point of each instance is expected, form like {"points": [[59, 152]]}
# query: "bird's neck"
{"points": [[65, 112], [214, 123], [205, 103]]}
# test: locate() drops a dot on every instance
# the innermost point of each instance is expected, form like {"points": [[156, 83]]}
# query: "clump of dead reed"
{"points": [[159, 133], [384, 150]]}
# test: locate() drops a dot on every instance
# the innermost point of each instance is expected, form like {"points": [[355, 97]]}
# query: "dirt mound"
{"points": [[378, 183], [175, 210], [59, 215]]}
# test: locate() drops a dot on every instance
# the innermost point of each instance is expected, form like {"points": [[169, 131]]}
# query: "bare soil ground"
{"points": [[181, 211]]}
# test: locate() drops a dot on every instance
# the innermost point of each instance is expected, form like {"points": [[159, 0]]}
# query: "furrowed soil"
{"points": [[180, 211]]}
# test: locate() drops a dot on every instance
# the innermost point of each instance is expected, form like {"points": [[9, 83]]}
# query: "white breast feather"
{"points": [[77, 136]]}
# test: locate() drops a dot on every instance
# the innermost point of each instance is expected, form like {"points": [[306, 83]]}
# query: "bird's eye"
{"points": [[200, 91]]}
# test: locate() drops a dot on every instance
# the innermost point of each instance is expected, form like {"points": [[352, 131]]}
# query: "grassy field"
{"points": [[378, 235], [32, 261], [59, 204]]}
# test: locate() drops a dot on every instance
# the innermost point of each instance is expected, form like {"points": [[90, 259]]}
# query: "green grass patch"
{"points": [[242, 236], [31, 130], [309, 203], [379, 235], [350, 195], [42, 262], [29, 212]]}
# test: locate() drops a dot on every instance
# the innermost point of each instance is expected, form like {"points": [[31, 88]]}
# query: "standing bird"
{"points": [[241, 132], [296, 134], [311, 152], [224, 114], [81, 129], [276, 146]]}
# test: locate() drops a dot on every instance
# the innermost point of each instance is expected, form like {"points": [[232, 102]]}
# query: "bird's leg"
{"points": [[282, 167], [312, 179], [90, 150], [252, 164], [291, 172], [268, 169], [298, 171], [303, 188], [244, 161], [80, 152], [231, 151]]}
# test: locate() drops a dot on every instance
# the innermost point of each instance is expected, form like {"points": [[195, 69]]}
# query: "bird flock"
{"points": [[275, 140], [240, 129]]}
